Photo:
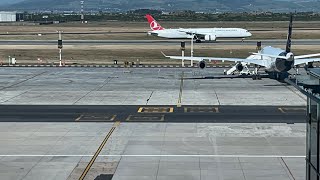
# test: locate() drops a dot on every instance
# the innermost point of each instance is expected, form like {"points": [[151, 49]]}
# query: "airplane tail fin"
{"points": [[154, 25], [289, 42]]}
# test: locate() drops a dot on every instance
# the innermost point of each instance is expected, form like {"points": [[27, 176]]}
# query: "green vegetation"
{"points": [[138, 16]]}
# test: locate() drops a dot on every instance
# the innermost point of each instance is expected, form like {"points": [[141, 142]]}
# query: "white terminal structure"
{"points": [[6, 16]]}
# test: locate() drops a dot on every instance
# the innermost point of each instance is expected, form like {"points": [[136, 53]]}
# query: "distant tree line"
{"points": [[138, 15]]}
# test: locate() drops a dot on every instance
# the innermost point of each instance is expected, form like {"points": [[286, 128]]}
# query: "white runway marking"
{"points": [[221, 156]]}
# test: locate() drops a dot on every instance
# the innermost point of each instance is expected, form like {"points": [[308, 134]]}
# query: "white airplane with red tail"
{"points": [[200, 34]]}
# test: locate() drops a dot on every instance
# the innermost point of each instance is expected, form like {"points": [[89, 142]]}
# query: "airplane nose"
{"points": [[249, 34]]}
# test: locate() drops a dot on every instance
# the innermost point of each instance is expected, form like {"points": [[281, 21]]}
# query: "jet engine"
{"points": [[210, 37], [239, 67], [202, 64]]}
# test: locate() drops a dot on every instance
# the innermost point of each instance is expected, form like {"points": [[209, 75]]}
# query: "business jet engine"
{"points": [[202, 64], [210, 37]]}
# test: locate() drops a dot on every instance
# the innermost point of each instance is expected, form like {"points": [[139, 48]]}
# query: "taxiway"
{"points": [[266, 42]]}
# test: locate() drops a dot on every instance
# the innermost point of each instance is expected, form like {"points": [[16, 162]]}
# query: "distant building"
{"points": [[11, 16], [8, 16]]}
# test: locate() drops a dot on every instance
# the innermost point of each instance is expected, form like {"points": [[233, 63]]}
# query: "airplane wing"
{"points": [[305, 61], [187, 31], [190, 32], [272, 56], [249, 61]]}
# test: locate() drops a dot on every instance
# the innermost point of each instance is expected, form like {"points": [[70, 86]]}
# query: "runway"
{"points": [[154, 114], [127, 32], [68, 33], [265, 42]]}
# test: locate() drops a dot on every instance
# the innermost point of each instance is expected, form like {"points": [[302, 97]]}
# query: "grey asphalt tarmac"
{"points": [[54, 120], [185, 114], [265, 42]]}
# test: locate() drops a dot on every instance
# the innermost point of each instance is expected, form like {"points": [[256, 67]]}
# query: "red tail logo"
{"points": [[154, 25]]}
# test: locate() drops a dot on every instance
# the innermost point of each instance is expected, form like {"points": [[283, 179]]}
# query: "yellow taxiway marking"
{"points": [[85, 172], [95, 118], [281, 110], [294, 109], [201, 110], [288, 110], [116, 124], [113, 118], [179, 104], [140, 110], [145, 118], [79, 117], [155, 110]]}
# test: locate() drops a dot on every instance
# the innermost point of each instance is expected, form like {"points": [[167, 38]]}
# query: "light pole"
{"points": [[183, 48], [60, 46], [192, 38], [82, 11]]}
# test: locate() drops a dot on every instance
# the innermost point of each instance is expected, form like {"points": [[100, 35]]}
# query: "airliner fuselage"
{"points": [[213, 32], [274, 62], [207, 34]]}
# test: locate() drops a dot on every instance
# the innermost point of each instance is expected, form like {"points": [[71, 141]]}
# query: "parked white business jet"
{"points": [[206, 34], [276, 61]]}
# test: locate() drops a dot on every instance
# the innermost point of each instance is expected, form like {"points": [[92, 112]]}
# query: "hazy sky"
{"points": [[9, 1]]}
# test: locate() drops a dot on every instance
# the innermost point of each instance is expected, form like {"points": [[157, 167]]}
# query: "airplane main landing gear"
{"points": [[256, 77], [198, 41]]}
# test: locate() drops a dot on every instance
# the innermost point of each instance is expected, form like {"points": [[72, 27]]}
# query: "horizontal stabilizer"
{"points": [[307, 56], [305, 61]]}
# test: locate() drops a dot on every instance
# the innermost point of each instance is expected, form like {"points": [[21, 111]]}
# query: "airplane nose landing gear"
{"points": [[198, 41]]}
